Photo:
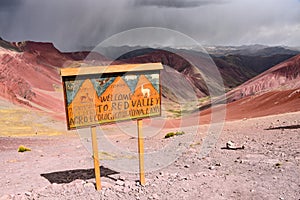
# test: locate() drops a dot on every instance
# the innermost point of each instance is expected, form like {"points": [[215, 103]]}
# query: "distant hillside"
{"points": [[29, 72], [250, 50], [284, 76], [276, 91], [236, 69]]}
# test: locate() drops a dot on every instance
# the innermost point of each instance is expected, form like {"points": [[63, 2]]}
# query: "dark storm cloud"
{"points": [[7, 12], [73, 24], [176, 3], [7, 5]]}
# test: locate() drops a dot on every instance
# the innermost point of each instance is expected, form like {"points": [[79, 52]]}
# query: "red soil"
{"points": [[270, 103]]}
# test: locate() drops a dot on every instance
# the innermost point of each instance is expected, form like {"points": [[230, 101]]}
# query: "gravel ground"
{"points": [[59, 167]]}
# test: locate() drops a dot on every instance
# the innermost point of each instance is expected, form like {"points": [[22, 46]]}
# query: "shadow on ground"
{"points": [[284, 127], [70, 175]]}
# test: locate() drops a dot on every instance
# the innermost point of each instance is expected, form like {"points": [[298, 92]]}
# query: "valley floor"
{"points": [[61, 166]]}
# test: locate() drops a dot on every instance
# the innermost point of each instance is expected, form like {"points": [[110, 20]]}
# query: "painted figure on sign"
{"points": [[145, 91], [102, 82], [86, 98], [130, 77], [70, 86]]}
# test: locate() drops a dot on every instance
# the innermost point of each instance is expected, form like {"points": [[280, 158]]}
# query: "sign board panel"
{"points": [[98, 95]]}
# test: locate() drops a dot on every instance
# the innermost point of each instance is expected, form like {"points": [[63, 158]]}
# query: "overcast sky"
{"points": [[71, 24]]}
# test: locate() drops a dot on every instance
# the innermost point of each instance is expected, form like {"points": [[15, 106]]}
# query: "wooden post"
{"points": [[141, 151], [96, 158]]}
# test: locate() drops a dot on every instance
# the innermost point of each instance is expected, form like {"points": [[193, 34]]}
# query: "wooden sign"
{"points": [[98, 95], [101, 94]]}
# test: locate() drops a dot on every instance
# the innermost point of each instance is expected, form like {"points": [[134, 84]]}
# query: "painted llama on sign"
{"points": [[145, 91]]}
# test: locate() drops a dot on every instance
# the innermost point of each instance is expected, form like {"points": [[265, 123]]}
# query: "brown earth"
{"points": [[60, 167]]}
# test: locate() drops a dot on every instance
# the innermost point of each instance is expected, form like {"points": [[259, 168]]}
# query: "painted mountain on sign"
{"points": [[146, 99], [113, 104], [81, 111]]}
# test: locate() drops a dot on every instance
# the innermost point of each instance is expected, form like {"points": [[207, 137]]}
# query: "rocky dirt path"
{"points": [[60, 167]]}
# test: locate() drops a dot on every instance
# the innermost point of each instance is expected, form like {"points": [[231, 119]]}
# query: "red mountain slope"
{"points": [[275, 91], [29, 74], [283, 76], [30, 77]]}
